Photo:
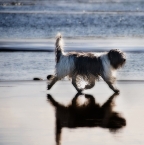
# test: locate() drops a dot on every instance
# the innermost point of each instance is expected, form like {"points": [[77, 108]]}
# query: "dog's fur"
{"points": [[86, 66]]}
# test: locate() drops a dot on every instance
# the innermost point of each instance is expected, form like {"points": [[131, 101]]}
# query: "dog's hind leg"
{"points": [[74, 82], [53, 81], [91, 83]]}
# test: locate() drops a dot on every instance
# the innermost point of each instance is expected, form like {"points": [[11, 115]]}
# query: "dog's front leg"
{"points": [[112, 86], [53, 81], [111, 82]]}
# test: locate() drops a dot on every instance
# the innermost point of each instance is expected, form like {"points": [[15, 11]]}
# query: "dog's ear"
{"points": [[112, 53], [116, 57]]}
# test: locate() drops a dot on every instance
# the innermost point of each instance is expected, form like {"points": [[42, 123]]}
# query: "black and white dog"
{"points": [[86, 66]]}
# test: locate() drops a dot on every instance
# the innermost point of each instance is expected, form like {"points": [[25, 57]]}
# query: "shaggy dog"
{"points": [[86, 113], [86, 67]]}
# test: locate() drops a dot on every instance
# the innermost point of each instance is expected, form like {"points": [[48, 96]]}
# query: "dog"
{"points": [[88, 67], [86, 113]]}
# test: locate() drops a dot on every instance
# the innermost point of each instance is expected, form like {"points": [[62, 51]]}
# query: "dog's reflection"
{"points": [[89, 114]]}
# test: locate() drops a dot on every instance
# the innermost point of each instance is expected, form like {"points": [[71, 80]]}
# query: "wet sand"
{"points": [[27, 114]]}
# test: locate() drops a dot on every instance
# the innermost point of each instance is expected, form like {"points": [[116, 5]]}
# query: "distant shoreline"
{"points": [[81, 44]]}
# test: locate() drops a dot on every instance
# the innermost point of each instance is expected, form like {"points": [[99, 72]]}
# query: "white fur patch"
{"points": [[109, 71], [60, 42], [65, 66]]}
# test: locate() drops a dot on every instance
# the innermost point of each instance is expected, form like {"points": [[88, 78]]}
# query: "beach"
{"points": [[28, 117], [32, 115]]}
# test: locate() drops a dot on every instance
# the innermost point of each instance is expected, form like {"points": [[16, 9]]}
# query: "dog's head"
{"points": [[117, 58]]}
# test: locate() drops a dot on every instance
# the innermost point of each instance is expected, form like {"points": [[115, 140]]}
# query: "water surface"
{"points": [[28, 117]]}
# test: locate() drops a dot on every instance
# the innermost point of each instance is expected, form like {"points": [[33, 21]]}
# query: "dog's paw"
{"points": [[49, 77], [80, 91], [49, 96], [117, 91], [49, 87]]}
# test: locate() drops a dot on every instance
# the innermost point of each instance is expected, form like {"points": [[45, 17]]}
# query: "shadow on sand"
{"points": [[88, 114]]}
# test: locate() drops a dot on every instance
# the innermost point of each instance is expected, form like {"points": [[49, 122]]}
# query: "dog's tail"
{"points": [[58, 47]]}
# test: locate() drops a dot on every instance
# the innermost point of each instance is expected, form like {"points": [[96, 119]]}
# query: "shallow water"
{"points": [[27, 65], [28, 117], [43, 19]]}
